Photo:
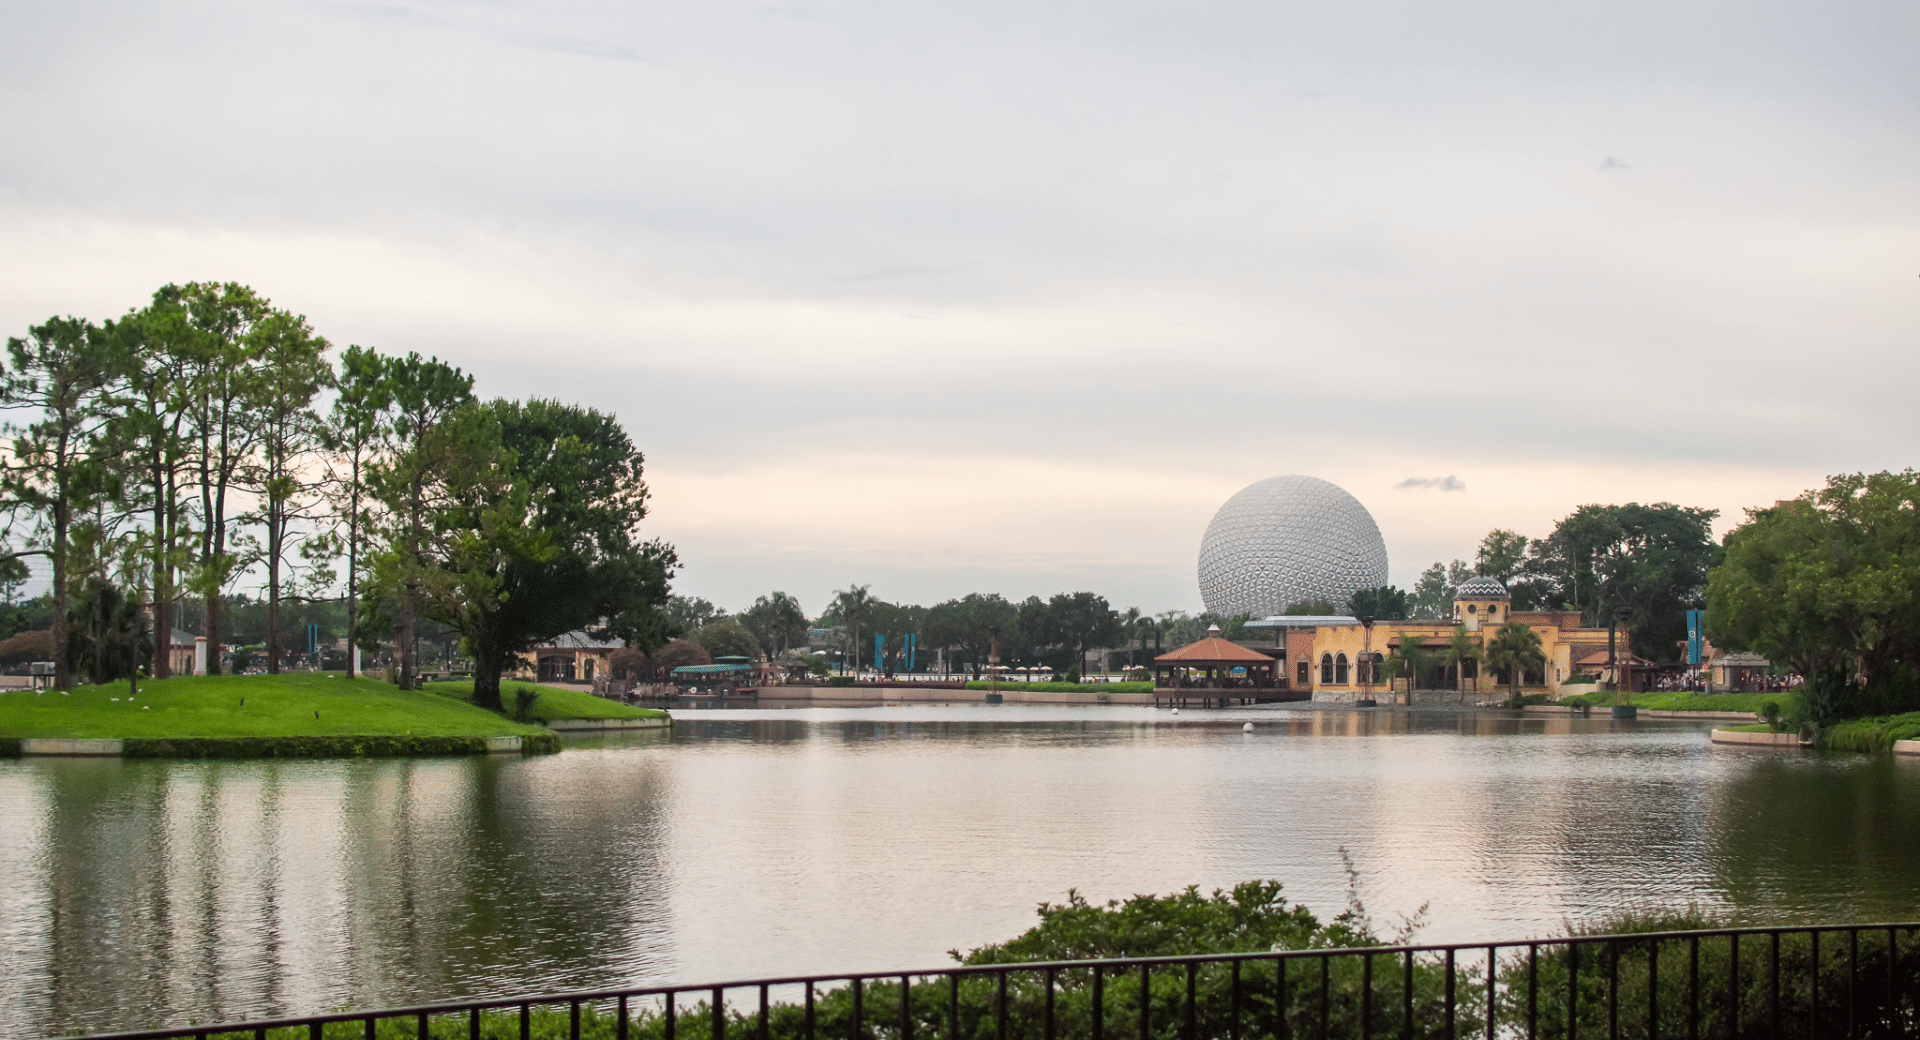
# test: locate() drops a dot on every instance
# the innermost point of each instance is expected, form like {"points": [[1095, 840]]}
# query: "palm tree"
{"points": [[1407, 659], [854, 604], [1458, 651], [1512, 649]]}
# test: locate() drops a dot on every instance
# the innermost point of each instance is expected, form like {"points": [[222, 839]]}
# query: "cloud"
{"points": [[1446, 483], [1614, 164]]}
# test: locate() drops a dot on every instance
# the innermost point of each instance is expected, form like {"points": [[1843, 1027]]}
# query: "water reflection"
{"points": [[754, 843]]}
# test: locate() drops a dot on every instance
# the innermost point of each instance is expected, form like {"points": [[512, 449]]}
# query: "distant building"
{"points": [[570, 657], [1337, 659], [180, 653]]}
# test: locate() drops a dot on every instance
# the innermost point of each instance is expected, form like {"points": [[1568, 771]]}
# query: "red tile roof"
{"points": [[1213, 650]]}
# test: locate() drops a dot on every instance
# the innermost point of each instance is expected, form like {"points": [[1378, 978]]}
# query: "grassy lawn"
{"points": [[275, 706], [554, 704], [1750, 702], [1871, 735]]}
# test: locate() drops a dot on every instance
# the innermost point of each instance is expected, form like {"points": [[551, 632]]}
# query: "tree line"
{"points": [[159, 456]]}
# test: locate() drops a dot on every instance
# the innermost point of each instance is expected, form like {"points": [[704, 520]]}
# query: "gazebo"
{"points": [[1211, 664]]}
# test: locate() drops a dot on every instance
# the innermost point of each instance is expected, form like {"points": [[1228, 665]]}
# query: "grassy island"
{"points": [[245, 716], [551, 704]]}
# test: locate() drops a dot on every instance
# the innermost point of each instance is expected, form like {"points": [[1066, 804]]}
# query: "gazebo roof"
{"points": [[1213, 650]]}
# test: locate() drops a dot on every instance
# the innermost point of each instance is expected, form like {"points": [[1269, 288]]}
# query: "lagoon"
{"points": [[750, 843]]}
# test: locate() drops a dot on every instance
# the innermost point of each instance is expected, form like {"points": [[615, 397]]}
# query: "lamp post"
{"points": [[993, 665], [1621, 708]]}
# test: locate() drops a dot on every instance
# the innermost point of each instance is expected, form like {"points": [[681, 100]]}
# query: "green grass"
{"points": [[1873, 735], [1748, 702], [554, 704], [210, 706]]}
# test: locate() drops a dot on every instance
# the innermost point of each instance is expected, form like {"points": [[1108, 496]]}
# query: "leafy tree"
{"points": [[727, 638], [1459, 650], [1830, 583], [1500, 555], [1648, 562], [680, 653], [61, 373], [853, 606], [221, 352], [969, 622], [776, 621], [110, 632], [293, 370], [1080, 621], [688, 614], [1409, 659], [533, 533], [152, 415], [1432, 595], [1385, 603], [425, 394], [1253, 917], [1514, 649], [22, 647], [351, 434]]}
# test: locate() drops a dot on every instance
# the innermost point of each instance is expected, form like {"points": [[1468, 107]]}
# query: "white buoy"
{"points": [[1248, 728], [1176, 711]]}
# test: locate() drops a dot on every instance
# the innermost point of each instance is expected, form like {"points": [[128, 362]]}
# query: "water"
{"points": [[757, 843]]}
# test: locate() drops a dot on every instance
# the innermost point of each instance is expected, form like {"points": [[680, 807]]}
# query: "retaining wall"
{"points": [[1727, 736], [597, 725]]}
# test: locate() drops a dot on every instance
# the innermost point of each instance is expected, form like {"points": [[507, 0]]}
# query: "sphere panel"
{"points": [[1287, 540]]}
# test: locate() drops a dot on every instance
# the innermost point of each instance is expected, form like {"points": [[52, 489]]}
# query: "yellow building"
{"points": [[1339, 659]]}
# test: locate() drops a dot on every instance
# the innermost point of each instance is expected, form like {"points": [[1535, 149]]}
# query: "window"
{"points": [[1326, 669], [1492, 609], [1340, 670], [1471, 609], [1305, 672]]}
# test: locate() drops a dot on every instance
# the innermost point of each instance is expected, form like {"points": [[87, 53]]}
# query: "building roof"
{"points": [[1743, 659], [1482, 587], [1304, 621], [712, 669], [577, 640], [182, 638], [1213, 650]]}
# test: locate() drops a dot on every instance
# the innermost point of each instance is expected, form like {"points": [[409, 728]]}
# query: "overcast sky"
{"points": [[1012, 296]]}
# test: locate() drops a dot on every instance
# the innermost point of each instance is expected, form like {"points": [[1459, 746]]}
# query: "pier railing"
{"points": [[1800, 982]]}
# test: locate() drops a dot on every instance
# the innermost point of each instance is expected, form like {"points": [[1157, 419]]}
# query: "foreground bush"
{"points": [[1576, 986]]}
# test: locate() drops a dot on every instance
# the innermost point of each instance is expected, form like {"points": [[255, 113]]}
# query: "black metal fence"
{"points": [[1811, 982]]}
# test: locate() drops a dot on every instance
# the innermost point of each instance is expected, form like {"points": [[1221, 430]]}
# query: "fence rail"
{"points": [[1811, 982]]}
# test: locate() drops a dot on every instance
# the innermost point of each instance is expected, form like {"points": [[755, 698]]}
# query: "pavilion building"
{"points": [[1335, 658]]}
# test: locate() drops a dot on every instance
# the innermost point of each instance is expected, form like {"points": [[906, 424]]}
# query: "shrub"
{"points": [[1770, 711], [523, 701], [840, 680]]}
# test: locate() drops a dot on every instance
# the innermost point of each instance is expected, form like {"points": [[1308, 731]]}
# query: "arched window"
{"points": [[1492, 609], [1340, 670], [1326, 668]]}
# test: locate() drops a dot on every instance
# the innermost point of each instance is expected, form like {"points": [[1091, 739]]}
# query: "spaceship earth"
{"points": [[1285, 540]]}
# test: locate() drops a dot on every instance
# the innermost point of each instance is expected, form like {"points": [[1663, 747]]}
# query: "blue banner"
{"points": [[879, 652], [1693, 636], [911, 641]]}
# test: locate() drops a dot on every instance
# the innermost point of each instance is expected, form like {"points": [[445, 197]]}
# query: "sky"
{"points": [[943, 298]]}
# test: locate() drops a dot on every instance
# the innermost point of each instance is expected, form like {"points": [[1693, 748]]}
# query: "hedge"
{"points": [[323, 747]]}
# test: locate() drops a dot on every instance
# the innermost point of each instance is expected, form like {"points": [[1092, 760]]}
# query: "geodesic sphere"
{"points": [[1286, 540]]}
